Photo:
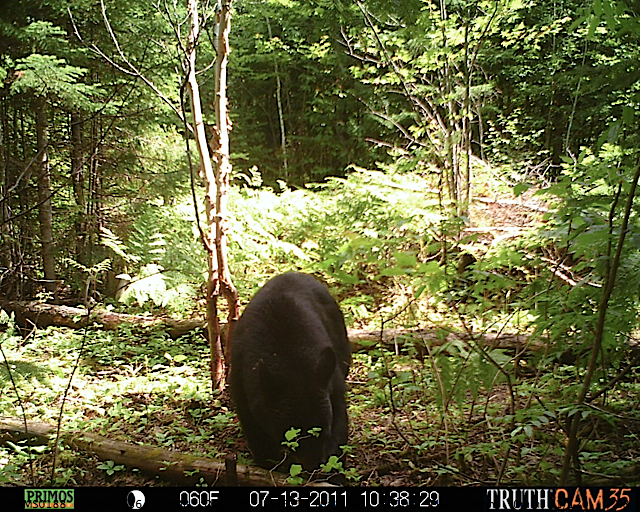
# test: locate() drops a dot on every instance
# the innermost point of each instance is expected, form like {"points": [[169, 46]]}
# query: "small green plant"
{"points": [[110, 467], [294, 477], [333, 465], [66, 477], [9, 474], [291, 439]]}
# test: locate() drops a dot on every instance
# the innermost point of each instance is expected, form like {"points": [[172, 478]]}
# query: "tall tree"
{"points": [[45, 212], [215, 177], [216, 182], [43, 88], [47, 79], [79, 187], [422, 58]]}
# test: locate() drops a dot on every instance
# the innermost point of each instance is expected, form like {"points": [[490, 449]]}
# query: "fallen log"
{"points": [[43, 315], [175, 467], [361, 339]]}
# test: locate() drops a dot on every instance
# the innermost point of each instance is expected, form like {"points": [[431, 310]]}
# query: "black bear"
{"points": [[289, 360]]}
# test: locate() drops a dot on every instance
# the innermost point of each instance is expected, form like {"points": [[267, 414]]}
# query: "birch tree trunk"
{"points": [[223, 166], [216, 184]]}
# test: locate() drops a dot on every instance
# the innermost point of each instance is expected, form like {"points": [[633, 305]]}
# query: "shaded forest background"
{"points": [[313, 94], [462, 167]]}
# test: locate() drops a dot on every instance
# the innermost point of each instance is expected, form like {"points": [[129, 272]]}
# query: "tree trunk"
{"points": [[45, 212], [5, 183], [223, 168], [216, 184], [465, 196], [283, 132], [77, 177]]}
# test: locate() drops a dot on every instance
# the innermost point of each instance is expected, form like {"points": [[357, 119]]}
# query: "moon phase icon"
{"points": [[135, 500]]}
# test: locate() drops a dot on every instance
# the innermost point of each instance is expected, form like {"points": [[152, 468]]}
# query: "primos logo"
{"points": [[48, 498]]}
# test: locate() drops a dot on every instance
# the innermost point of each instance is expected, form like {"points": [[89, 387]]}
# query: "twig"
{"points": [[129, 69], [66, 392]]}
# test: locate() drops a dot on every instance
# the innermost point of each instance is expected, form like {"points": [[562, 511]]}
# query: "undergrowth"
{"points": [[475, 388]]}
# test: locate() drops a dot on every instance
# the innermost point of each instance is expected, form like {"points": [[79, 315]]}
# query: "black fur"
{"points": [[289, 360]]}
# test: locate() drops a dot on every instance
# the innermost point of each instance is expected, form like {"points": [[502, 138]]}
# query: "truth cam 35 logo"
{"points": [[578, 499]]}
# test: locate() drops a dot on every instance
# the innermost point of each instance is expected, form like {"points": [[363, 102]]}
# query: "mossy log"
{"points": [[175, 467], [43, 315]]}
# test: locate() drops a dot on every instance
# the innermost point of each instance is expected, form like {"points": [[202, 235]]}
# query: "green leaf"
{"points": [[628, 115], [405, 259], [292, 433], [593, 24], [597, 7], [579, 21], [520, 188], [295, 469]]}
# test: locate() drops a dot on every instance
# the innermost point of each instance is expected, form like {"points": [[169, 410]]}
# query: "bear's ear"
{"points": [[325, 367]]}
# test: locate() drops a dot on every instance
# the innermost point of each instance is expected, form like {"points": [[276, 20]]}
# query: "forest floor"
{"points": [[400, 433]]}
